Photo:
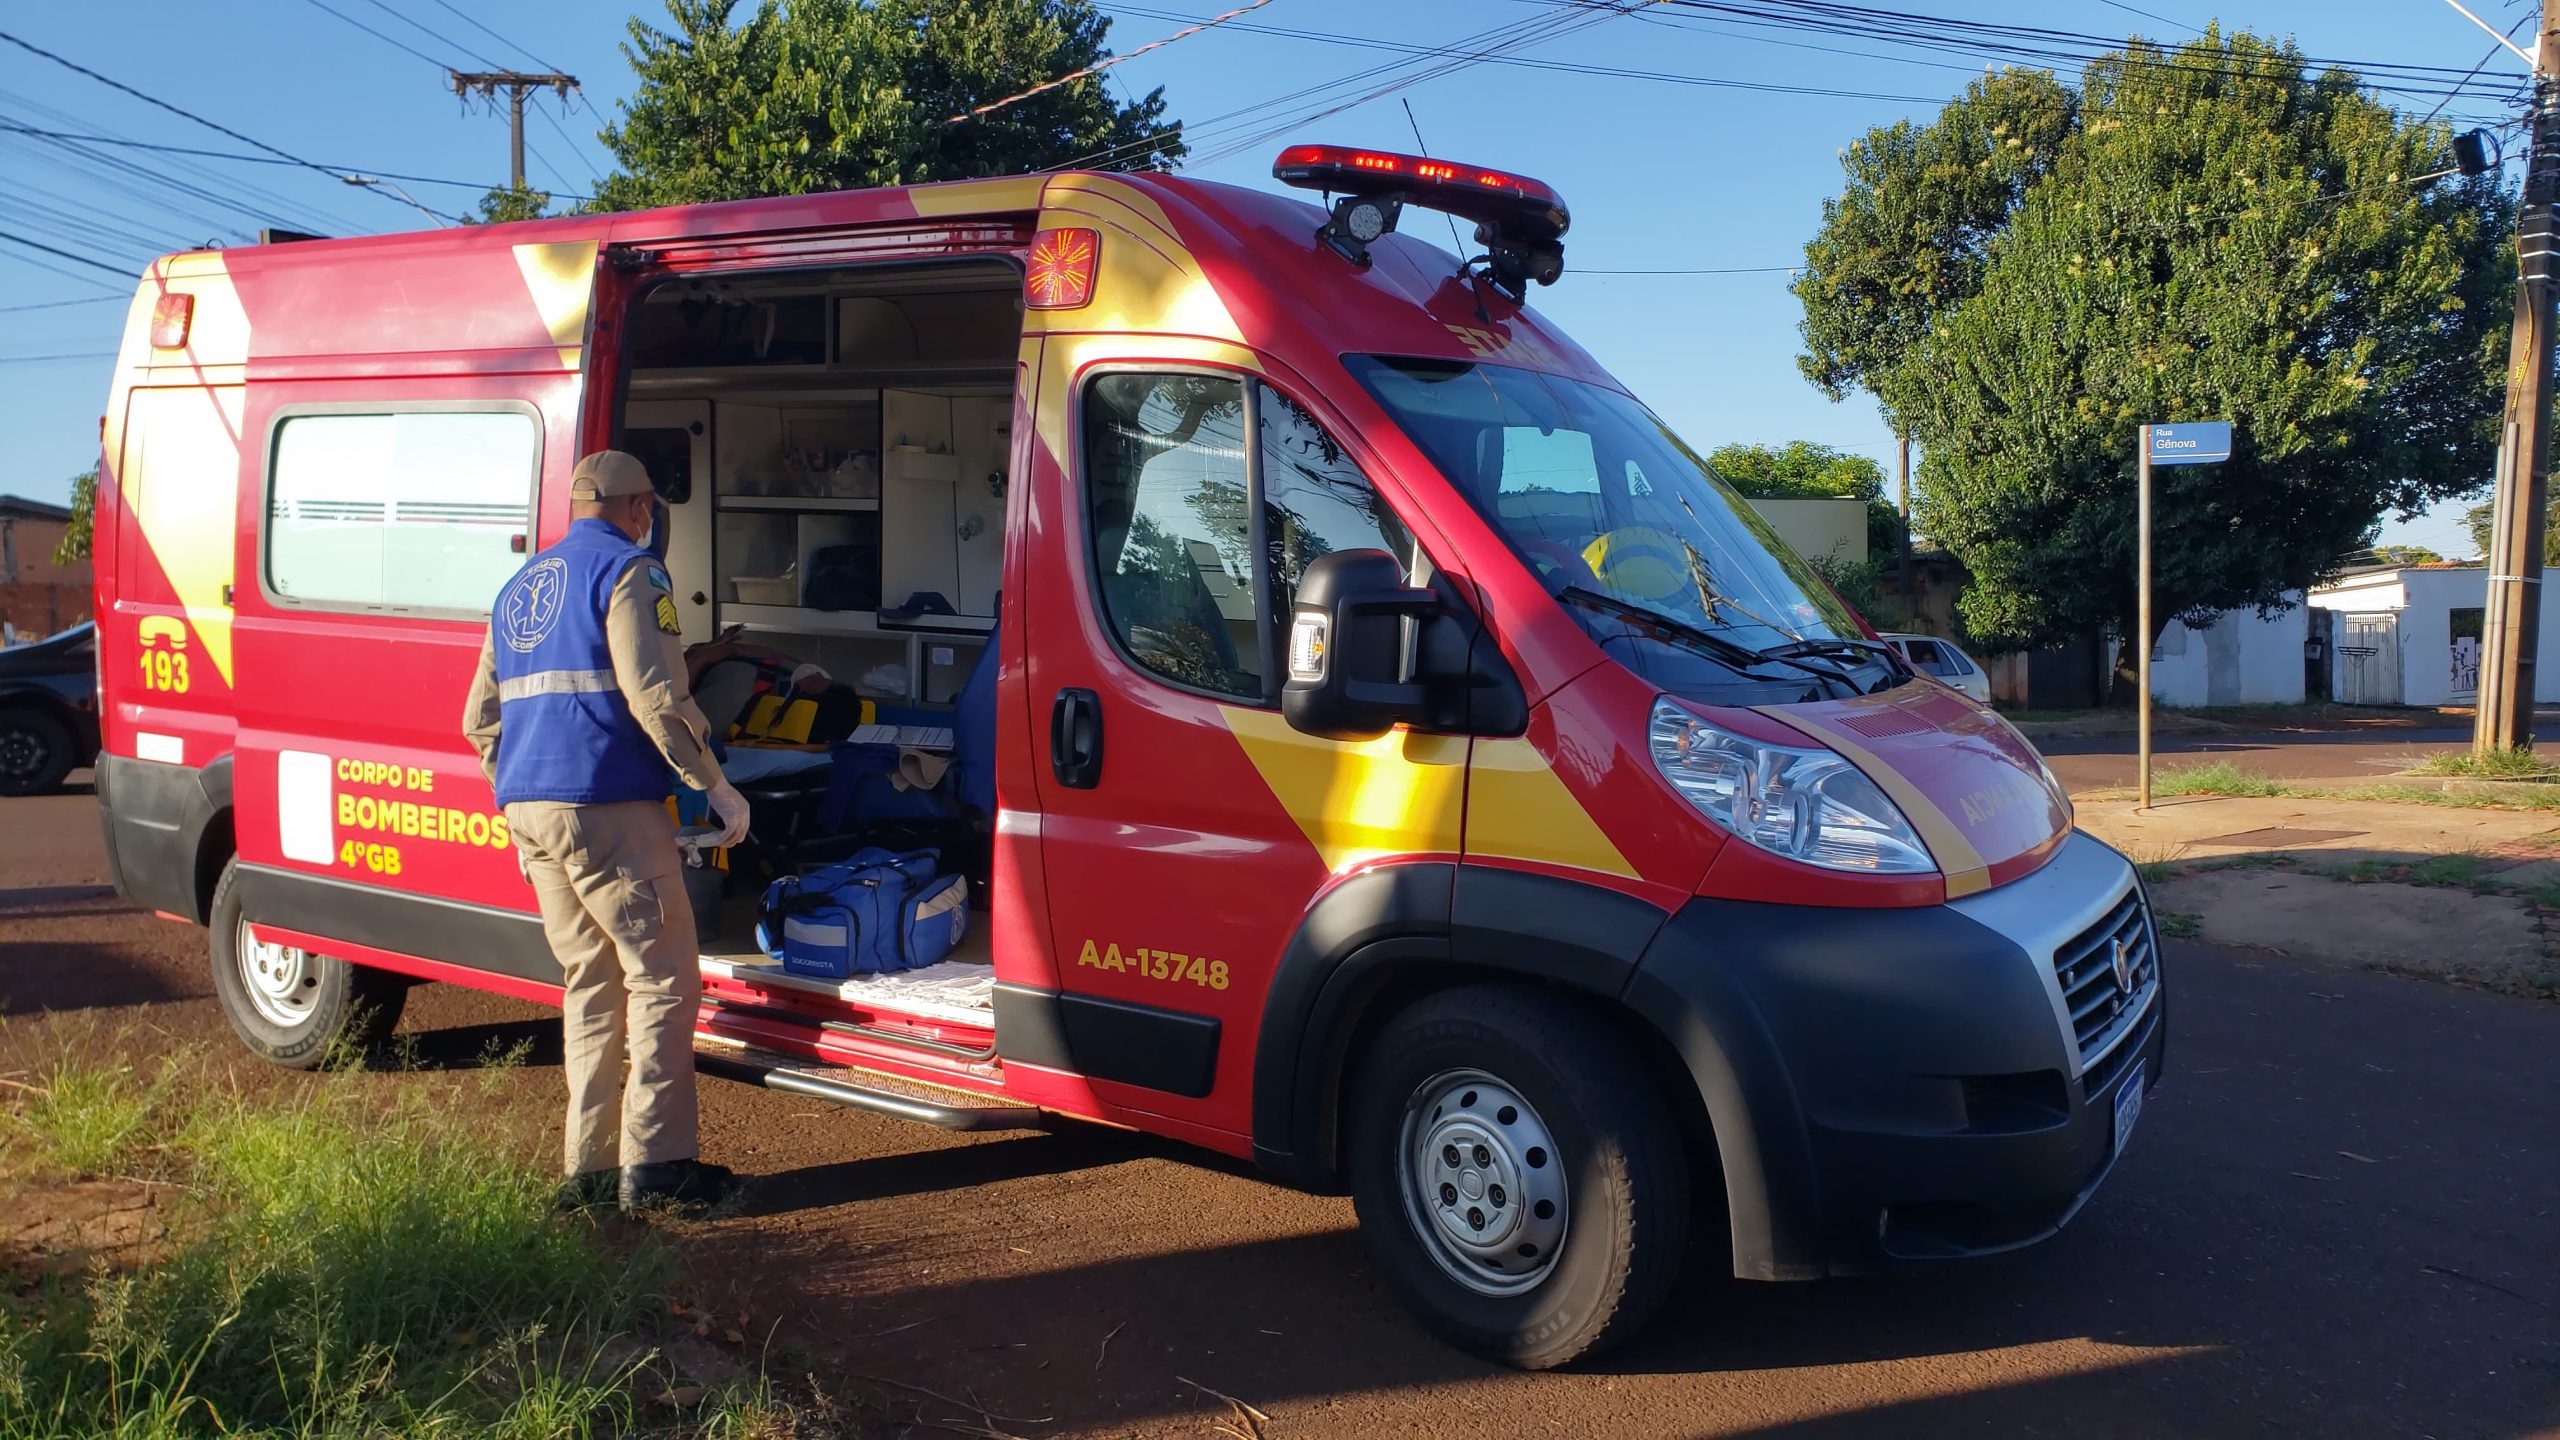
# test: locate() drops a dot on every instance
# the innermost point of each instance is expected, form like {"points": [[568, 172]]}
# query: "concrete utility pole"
{"points": [[515, 82], [1910, 600], [2512, 630]]}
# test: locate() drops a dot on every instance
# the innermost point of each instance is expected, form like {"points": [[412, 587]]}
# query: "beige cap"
{"points": [[606, 474]]}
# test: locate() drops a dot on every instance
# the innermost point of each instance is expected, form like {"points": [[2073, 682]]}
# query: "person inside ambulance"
{"points": [[580, 712]]}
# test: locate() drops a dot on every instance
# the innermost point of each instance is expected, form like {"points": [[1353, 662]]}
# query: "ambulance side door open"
{"points": [[1186, 826]]}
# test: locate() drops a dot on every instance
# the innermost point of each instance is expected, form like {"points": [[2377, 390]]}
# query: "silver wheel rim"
{"points": [[1482, 1181], [281, 980]]}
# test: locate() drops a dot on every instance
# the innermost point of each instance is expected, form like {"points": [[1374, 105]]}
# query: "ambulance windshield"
{"points": [[1605, 503]]}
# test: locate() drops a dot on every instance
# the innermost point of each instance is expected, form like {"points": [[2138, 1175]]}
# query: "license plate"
{"points": [[2128, 1103]]}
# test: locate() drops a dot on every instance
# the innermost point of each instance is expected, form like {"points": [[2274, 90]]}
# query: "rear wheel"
{"points": [[1516, 1175], [295, 1008], [35, 751]]}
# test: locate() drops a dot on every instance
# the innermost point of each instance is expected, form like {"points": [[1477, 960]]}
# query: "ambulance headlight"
{"points": [[1808, 805]]}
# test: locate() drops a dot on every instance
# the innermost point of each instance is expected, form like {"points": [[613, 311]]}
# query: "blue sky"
{"points": [[1660, 175]]}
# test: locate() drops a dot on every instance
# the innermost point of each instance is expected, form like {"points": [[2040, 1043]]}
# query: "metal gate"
{"points": [[2369, 659]]}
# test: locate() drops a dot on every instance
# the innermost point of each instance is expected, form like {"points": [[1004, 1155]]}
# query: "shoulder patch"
{"points": [[658, 578], [667, 621]]}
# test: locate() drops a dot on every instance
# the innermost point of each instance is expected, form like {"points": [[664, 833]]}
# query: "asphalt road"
{"points": [[2341, 757], [2341, 1216]]}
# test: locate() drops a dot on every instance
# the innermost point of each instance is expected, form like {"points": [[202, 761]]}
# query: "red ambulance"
{"points": [[1414, 770]]}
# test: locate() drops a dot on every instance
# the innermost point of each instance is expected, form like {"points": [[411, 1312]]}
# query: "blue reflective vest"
{"points": [[565, 732]]}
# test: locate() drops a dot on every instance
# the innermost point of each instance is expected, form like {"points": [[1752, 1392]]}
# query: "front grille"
{"points": [[2103, 1008]]}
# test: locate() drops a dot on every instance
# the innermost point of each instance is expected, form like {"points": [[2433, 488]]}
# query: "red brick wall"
{"points": [[36, 595]]}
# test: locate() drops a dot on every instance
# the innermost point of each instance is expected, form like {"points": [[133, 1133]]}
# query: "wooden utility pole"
{"points": [[515, 82], [2512, 628], [1910, 600]]}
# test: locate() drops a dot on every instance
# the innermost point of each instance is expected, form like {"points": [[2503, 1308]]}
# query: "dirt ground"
{"points": [[2338, 1218]]}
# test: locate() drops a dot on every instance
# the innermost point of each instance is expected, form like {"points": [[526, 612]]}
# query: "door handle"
{"points": [[1075, 739]]}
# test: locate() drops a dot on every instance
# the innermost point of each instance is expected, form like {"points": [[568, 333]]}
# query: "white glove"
{"points": [[731, 807]]}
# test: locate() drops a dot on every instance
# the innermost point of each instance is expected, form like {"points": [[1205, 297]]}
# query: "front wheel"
{"points": [[1517, 1176], [292, 1007]]}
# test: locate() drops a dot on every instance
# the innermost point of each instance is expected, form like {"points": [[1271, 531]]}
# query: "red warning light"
{"points": [[1341, 168], [1061, 269], [171, 316]]}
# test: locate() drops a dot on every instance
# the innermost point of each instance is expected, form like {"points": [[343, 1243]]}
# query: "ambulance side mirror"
{"points": [[1353, 644]]}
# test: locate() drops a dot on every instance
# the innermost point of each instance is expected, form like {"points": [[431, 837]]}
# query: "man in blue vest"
{"points": [[580, 712]]}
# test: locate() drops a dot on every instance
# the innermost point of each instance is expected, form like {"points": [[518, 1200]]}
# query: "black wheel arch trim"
{"points": [[157, 819], [1358, 936]]}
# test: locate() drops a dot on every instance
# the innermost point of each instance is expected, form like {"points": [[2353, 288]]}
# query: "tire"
{"points": [[36, 751], [1544, 1106], [293, 1008]]}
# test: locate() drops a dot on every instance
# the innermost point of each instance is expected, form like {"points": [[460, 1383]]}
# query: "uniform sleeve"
{"points": [[480, 712], [648, 664]]}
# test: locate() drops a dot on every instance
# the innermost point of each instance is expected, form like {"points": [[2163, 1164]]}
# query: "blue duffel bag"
{"points": [[876, 912]]}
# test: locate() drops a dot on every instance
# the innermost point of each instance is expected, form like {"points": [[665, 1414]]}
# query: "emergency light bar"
{"points": [[1520, 221]]}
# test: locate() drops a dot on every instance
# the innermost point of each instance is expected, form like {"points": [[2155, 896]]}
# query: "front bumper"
{"points": [[1899, 1085]]}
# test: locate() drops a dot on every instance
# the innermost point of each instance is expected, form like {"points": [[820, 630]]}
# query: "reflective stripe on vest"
{"points": [[557, 682], [565, 732]]}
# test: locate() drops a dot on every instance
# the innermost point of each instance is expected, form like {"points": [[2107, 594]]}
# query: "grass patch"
{"points": [[2215, 777], [85, 1119], [2178, 924], [2222, 777], [2496, 765], [337, 1265]]}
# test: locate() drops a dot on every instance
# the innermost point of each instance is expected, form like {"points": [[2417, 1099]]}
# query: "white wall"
{"points": [[2238, 660], [2435, 667], [1815, 528]]}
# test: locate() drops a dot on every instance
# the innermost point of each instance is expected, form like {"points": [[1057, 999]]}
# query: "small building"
{"points": [[1819, 529], [37, 596], [2410, 634]]}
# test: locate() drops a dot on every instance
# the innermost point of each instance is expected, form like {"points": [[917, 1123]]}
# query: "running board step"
{"points": [[863, 1090]]}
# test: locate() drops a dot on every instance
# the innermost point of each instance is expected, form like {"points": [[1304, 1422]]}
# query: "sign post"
{"points": [[2202, 444]]}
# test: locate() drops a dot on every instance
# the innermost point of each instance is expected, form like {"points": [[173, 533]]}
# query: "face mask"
{"points": [[657, 544]]}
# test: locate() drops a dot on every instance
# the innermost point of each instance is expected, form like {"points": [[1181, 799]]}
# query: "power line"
{"points": [[15, 239], [60, 304], [39, 359], [439, 36], [396, 44], [563, 131], [1091, 70], [1570, 67], [251, 159], [121, 87], [494, 35], [2528, 19], [276, 201]]}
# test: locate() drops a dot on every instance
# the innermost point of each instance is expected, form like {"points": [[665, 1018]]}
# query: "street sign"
{"points": [[2203, 443]]}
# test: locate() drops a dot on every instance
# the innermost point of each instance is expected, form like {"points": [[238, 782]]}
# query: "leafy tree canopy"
{"points": [[816, 95], [74, 545], [517, 202], [1802, 470], [2406, 555], [2482, 519], [1908, 236], [2220, 236]]}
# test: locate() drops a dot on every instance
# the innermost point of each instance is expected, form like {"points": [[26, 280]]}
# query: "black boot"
{"points": [[676, 1184], [586, 1190]]}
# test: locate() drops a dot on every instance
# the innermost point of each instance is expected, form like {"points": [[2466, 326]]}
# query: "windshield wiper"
{"points": [[1739, 656], [1818, 645]]}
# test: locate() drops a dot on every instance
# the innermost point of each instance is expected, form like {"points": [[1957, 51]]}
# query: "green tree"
{"points": [[2482, 519], [2406, 555], [2222, 236], [816, 95], [1908, 235], [74, 545], [511, 202]]}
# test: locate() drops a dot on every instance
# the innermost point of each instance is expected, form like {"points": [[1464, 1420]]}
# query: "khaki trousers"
{"points": [[613, 907]]}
